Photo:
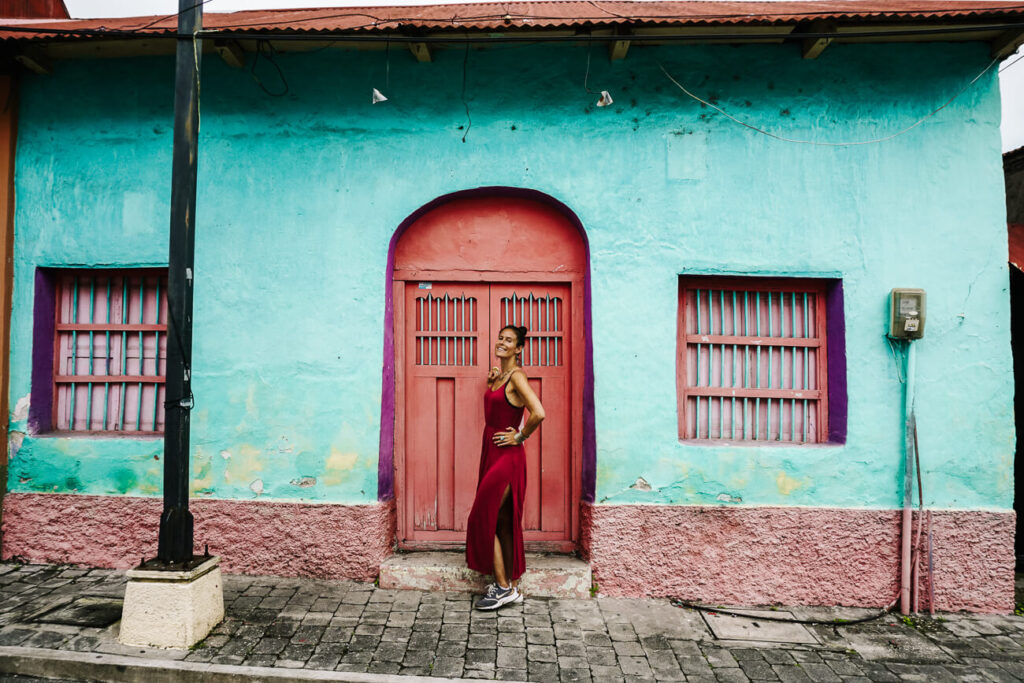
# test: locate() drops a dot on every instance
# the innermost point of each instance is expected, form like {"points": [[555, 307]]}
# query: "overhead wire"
{"points": [[171, 16], [465, 103], [849, 143], [266, 49], [1004, 67]]}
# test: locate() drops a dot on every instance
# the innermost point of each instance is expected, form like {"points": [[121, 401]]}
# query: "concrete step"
{"points": [[547, 576]]}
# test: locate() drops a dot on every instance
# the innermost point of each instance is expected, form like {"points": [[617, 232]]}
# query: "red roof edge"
{"points": [[534, 15]]}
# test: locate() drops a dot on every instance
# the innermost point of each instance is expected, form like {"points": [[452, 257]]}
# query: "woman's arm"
{"points": [[522, 387]]}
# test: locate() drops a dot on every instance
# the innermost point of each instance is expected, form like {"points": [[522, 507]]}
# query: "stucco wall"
{"points": [[796, 555], [299, 196]]}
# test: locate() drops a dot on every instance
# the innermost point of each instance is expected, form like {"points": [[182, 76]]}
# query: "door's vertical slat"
{"points": [[536, 496], [757, 351], [792, 365], [74, 354], [547, 328], [106, 364], [768, 417], [125, 301], [558, 328], [733, 372], [554, 452], [156, 351], [709, 354], [142, 346], [806, 378], [445, 450], [92, 342], [423, 452], [746, 361], [696, 382]]}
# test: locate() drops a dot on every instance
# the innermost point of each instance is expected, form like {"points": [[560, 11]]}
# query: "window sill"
{"points": [[726, 443], [143, 436]]}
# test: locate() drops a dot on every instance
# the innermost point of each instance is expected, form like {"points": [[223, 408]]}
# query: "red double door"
{"points": [[449, 331]]}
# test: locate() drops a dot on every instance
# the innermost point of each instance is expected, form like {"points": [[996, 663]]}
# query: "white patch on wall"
{"points": [[225, 454], [14, 444], [21, 409], [136, 212], [641, 484], [686, 155], [256, 487]]}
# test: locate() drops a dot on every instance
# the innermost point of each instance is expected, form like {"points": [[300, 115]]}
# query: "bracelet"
{"points": [[518, 436]]}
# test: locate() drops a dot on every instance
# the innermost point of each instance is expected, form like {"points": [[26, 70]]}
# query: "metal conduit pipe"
{"points": [[908, 477]]}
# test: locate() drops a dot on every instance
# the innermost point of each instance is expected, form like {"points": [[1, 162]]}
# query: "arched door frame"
{"points": [[392, 417]]}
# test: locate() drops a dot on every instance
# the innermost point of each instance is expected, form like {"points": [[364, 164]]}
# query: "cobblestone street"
{"points": [[341, 626]]}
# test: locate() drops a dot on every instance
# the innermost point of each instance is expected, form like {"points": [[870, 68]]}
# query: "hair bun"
{"points": [[522, 332]]}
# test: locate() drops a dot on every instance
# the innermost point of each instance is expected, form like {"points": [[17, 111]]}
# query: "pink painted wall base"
{"points": [[252, 537], [733, 555], [794, 556]]}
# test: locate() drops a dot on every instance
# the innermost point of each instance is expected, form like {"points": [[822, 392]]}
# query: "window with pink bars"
{"points": [[752, 360], [110, 351]]}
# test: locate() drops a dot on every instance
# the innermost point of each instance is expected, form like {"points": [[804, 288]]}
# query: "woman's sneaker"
{"points": [[493, 586], [498, 596]]}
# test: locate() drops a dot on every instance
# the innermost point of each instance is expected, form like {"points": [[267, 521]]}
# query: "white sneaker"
{"points": [[493, 587], [497, 597]]}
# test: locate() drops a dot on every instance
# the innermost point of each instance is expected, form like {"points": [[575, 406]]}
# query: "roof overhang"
{"points": [[812, 25]]}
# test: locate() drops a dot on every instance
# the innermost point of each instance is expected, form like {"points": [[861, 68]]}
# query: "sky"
{"points": [[1011, 76]]}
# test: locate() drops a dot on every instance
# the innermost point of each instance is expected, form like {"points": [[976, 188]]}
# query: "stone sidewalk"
{"points": [[341, 630]]}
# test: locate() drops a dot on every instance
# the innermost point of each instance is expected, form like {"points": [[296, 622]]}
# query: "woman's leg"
{"points": [[503, 538]]}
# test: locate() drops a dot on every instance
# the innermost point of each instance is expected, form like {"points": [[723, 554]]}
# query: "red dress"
{"points": [[501, 467]]}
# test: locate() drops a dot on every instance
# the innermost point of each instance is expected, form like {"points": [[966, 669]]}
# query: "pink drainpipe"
{"points": [[908, 476]]}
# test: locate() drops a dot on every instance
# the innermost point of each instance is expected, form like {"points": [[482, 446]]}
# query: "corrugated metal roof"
{"points": [[543, 15]]}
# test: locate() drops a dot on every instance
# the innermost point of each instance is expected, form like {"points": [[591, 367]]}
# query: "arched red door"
{"points": [[463, 271]]}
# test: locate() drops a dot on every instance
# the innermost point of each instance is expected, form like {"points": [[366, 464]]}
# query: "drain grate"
{"points": [[749, 627], [95, 611]]}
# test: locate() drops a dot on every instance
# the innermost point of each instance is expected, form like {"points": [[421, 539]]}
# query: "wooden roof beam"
{"points": [[617, 49], [231, 52], [35, 62], [811, 48], [1006, 43], [421, 51]]}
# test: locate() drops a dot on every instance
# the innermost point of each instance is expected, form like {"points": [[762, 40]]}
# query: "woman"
{"points": [[494, 533]]}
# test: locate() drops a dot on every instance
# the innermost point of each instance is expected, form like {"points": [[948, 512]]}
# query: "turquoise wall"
{"points": [[299, 196]]}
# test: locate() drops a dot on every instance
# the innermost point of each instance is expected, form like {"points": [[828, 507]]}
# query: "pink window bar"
{"points": [[446, 330], [110, 351], [752, 360], [542, 316]]}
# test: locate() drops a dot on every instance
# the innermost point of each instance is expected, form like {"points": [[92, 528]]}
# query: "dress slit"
{"points": [[501, 468]]}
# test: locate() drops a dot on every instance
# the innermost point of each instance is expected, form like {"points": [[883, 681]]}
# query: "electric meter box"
{"points": [[906, 313]]}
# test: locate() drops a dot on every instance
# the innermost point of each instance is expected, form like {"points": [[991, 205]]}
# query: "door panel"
{"points": [[445, 366], [544, 310], [449, 330]]}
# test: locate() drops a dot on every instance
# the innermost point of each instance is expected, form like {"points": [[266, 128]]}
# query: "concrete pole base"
{"points": [[172, 609]]}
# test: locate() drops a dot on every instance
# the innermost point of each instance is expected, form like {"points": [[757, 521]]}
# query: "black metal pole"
{"points": [[176, 521]]}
